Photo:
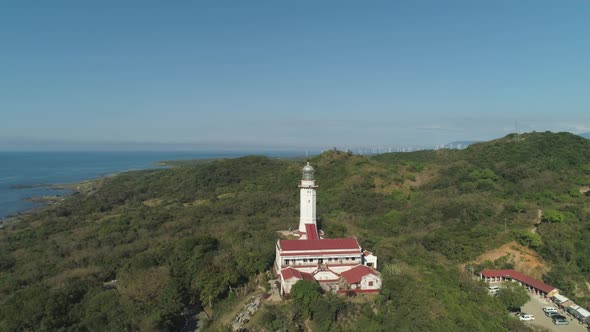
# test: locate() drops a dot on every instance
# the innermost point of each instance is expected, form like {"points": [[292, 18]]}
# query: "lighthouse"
{"points": [[338, 265], [307, 205]]}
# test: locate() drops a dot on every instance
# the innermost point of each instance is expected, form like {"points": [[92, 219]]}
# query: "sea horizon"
{"points": [[28, 174]]}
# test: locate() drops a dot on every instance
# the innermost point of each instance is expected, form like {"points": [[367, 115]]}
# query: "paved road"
{"points": [[535, 306]]}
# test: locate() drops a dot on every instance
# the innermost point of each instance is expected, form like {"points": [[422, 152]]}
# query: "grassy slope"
{"points": [[202, 231]]}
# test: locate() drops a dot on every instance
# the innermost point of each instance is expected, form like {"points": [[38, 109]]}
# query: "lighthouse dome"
{"points": [[308, 172]]}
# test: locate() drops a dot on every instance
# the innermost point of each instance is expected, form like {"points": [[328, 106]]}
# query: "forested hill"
{"points": [[201, 233]]}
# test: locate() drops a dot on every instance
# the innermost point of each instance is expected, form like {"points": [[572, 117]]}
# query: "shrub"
{"points": [[529, 239], [552, 216]]}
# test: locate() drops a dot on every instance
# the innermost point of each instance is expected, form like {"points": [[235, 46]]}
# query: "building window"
{"points": [[305, 260], [370, 284]]}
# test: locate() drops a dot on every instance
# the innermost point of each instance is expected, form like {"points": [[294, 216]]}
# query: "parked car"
{"points": [[560, 320], [551, 313], [493, 289], [549, 309], [525, 317]]}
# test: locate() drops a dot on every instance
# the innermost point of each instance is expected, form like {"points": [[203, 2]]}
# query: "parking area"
{"points": [[535, 306], [247, 312]]}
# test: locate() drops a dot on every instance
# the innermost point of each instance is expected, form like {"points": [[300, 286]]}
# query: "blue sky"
{"points": [[290, 73]]}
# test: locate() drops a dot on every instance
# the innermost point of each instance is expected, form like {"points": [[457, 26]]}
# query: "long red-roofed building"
{"points": [[533, 285], [337, 264], [317, 244]]}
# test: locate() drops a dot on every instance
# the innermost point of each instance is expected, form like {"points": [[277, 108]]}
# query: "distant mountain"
{"points": [[459, 144], [585, 135], [554, 151]]}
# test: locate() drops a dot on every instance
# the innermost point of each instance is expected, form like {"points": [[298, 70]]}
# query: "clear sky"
{"points": [[291, 73]]}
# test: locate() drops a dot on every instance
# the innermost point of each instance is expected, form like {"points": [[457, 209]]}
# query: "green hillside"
{"points": [[202, 232]]}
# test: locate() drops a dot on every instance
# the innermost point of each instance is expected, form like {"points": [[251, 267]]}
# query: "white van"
{"points": [[493, 289], [548, 310]]}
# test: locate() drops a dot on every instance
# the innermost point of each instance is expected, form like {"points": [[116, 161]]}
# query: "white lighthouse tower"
{"points": [[308, 199]]}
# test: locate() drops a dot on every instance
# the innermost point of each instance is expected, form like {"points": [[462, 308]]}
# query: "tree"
{"points": [[7, 262], [327, 310], [216, 279], [305, 295], [104, 311], [559, 278], [24, 310], [144, 286], [513, 296]]}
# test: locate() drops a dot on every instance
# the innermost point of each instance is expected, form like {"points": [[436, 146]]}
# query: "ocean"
{"points": [[19, 169]]}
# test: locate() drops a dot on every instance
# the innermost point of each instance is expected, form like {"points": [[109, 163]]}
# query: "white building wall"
{"points": [[278, 261], [340, 269], [307, 204], [325, 275], [366, 280], [301, 262], [308, 269], [370, 260], [352, 260], [287, 284]]}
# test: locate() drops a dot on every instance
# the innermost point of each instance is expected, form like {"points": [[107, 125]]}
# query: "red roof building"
{"points": [[355, 275], [290, 276], [290, 272], [533, 284], [320, 244]]}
